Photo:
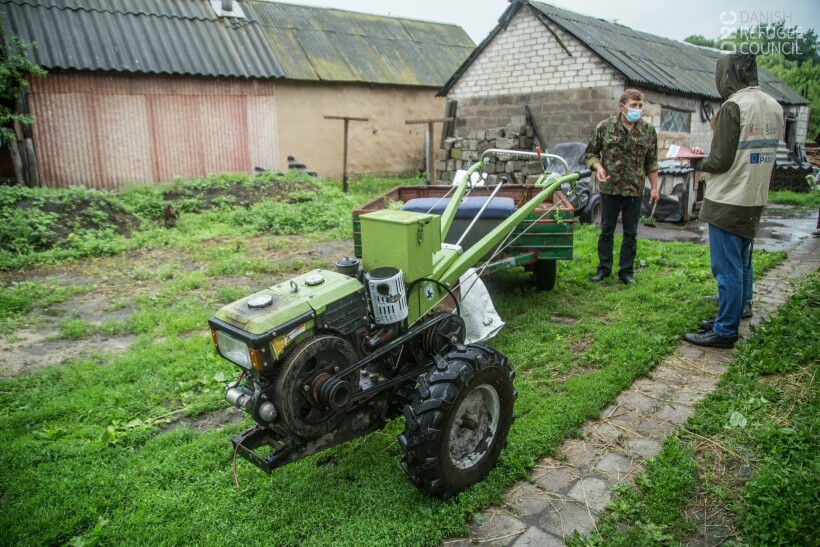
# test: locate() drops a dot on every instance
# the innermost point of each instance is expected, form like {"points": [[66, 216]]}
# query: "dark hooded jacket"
{"points": [[733, 73]]}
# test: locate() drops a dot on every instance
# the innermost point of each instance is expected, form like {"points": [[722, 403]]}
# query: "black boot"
{"points": [[710, 339]]}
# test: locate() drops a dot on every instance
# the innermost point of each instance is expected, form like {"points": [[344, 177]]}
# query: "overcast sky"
{"points": [[674, 19]]}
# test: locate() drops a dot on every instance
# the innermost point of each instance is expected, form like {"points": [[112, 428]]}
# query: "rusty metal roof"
{"points": [[273, 40], [140, 36], [643, 58], [344, 46]]}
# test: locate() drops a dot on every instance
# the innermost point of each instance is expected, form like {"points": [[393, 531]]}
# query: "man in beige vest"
{"points": [[744, 146]]}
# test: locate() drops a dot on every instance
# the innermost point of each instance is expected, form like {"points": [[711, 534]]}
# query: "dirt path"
{"points": [[108, 292]]}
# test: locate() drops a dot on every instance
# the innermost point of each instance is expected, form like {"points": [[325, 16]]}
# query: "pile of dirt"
{"points": [[197, 199], [50, 218], [51, 221]]}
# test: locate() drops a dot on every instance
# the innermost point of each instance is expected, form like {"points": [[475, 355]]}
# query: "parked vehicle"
{"points": [[329, 356]]}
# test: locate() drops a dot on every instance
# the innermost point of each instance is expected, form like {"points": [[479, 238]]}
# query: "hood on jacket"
{"points": [[734, 72]]}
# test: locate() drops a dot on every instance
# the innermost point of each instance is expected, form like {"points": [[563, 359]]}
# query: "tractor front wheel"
{"points": [[458, 420]]}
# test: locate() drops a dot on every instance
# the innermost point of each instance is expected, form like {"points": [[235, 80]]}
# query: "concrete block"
{"points": [[645, 448], [581, 453], [568, 517], [677, 413], [526, 500], [592, 491], [496, 525], [536, 537], [637, 401], [653, 428], [555, 479], [616, 466]]}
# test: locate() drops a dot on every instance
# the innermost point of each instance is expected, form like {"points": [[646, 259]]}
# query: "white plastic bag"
{"points": [[477, 310]]}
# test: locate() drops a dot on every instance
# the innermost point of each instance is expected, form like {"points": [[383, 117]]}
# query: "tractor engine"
{"points": [[329, 356]]}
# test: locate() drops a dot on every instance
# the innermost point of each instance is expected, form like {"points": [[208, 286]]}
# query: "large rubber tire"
{"points": [[458, 420], [591, 214], [544, 274]]}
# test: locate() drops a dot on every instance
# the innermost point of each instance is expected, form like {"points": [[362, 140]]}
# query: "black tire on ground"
{"points": [[591, 214], [544, 273], [458, 420]]}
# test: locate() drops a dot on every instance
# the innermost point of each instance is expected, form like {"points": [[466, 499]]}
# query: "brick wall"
{"points": [[568, 88], [802, 129]]}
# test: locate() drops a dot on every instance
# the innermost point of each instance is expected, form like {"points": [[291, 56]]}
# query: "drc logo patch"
{"points": [[758, 158]]}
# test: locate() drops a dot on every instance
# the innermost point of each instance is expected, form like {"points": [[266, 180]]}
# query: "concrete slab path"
{"points": [[570, 491]]}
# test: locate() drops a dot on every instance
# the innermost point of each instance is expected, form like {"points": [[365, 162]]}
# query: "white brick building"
{"points": [[571, 69]]}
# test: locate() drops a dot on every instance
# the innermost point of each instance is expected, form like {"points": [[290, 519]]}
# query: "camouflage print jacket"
{"points": [[627, 156]]}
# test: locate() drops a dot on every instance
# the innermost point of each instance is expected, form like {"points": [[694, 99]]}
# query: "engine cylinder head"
{"points": [[388, 299]]}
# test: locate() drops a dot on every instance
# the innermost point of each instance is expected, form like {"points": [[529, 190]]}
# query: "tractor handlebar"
{"points": [[524, 154]]}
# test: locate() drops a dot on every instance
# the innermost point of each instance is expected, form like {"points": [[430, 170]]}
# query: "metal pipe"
{"points": [[524, 154], [480, 212], [482, 246]]}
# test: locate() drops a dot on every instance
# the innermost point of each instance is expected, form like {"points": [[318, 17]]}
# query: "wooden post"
{"points": [[31, 163], [431, 172], [347, 120], [17, 161]]}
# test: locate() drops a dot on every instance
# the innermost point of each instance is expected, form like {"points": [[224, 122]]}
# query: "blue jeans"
{"points": [[611, 207], [731, 258]]}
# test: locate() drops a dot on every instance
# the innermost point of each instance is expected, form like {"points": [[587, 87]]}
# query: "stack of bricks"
{"points": [[462, 152]]}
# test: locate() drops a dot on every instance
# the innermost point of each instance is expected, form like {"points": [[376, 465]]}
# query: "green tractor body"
{"points": [[329, 356]]}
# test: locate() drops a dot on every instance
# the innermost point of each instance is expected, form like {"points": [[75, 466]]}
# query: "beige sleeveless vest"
{"points": [[761, 127]]}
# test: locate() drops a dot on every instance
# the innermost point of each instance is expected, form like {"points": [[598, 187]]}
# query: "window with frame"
{"points": [[675, 121]]}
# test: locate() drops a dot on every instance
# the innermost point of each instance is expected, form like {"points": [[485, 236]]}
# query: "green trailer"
{"points": [[536, 243]]}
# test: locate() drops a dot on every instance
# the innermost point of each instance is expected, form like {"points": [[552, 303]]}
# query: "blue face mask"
{"points": [[632, 114]]}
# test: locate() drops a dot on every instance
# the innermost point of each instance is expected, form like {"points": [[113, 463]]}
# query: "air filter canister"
{"points": [[387, 297]]}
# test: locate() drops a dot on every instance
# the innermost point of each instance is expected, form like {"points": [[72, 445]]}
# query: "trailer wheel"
{"points": [[458, 420], [544, 273], [591, 214]]}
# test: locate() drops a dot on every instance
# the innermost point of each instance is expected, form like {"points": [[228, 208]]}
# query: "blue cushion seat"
{"points": [[499, 208]]}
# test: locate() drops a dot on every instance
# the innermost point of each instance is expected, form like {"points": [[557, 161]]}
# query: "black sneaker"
{"points": [[710, 339], [599, 276]]}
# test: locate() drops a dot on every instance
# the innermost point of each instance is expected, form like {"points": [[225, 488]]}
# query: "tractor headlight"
{"points": [[233, 350]]}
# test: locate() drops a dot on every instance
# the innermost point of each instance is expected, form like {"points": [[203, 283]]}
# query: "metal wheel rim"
{"points": [[475, 426]]}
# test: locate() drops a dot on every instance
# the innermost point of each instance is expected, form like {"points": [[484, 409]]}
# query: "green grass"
{"points": [[84, 459], [804, 199], [764, 416], [19, 298], [33, 229]]}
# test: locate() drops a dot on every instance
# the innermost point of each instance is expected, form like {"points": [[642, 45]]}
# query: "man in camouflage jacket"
{"points": [[623, 150]]}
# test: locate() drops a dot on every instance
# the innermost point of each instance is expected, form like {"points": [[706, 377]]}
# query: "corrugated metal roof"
{"points": [[148, 36], [274, 40], [643, 58], [655, 61], [344, 46]]}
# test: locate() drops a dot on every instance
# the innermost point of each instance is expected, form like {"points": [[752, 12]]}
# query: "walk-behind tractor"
{"points": [[332, 355]]}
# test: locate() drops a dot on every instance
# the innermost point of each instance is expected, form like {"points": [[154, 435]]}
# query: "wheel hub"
{"points": [[473, 431]]}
